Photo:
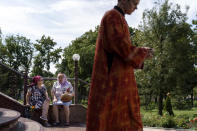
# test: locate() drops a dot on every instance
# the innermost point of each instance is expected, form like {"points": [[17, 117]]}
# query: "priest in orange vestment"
{"points": [[113, 103]]}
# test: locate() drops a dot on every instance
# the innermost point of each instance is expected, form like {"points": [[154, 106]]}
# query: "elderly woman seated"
{"points": [[60, 89], [37, 96]]}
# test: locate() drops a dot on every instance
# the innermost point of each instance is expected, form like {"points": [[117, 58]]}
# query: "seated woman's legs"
{"points": [[45, 108], [67, 113], [56, 113]]}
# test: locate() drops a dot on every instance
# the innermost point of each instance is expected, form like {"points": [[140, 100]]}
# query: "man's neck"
{"points": [[119, 10], [121, 7]]}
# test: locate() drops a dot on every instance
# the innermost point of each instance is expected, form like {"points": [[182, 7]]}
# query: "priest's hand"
{"points": [[150, 52]]}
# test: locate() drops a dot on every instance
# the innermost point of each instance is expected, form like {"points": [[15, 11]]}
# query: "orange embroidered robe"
{"points": [[113, 103]]}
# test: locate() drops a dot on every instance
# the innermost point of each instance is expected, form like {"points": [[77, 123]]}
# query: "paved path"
{"points": [[34, 126], [163, 129], [73, 128]]}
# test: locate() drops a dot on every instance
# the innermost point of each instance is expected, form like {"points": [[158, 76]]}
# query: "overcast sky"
{"points": [[64, 20]]}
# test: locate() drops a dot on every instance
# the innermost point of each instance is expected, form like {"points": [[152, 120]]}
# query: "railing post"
{"points": [[25, 86], [76, 58], [76, 83], [12, 84]]}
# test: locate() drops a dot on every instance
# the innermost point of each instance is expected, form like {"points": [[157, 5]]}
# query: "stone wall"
{"points": [[10, 103], [77, 114]]}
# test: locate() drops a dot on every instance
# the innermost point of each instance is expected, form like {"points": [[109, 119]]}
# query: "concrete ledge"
{"points": [[10, 103], [77, 114]]}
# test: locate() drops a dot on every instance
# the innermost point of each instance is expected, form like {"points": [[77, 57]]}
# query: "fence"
{"points": [[16, 78]]}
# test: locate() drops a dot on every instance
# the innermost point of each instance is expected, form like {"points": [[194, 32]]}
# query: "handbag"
{"points": [[66, 97]]}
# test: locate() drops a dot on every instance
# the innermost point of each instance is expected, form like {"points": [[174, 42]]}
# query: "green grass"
{"points": [[189, 113], [180, 120], [20, 101]]}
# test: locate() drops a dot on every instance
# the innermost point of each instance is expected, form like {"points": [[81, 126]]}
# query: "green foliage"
{"points": [[17, 52], [10, 83], [182, 104], [168, 121], [149, 106], [180, 120], [165, 29], [49, 85], [182, 123], [46, 54], [85, 47], [195, 103], [151, 120], [84, 103], [159, 121], [3, 77]]}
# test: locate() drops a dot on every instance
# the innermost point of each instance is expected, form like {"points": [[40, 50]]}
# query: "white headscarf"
{"points": [[64, 82]]}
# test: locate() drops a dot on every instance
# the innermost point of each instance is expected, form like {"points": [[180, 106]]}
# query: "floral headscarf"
{"points": [[35, 80]]}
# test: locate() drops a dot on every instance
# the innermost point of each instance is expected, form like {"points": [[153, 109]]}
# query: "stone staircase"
{"points": [[12, 115], [10, 120]]}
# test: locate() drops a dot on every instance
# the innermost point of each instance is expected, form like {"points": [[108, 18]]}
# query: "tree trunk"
{"points": [[192, 97], [160, 103], [145, 101], [156, 100]]}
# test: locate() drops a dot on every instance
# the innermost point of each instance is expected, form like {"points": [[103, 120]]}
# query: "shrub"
{"points": [[195, 103], [181, 120], [151, 120], [182, 104], [150, 106], [182, 123], [84, 102], [167, 121]]}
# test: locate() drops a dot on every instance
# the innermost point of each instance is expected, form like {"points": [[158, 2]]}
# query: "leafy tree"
{"points": [[194, 57], [3, 75], [164, 28], [85, 47], [46, 54], [17, 52]]}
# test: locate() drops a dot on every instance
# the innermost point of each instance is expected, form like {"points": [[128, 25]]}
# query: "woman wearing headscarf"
{"points": [[60, 87], [37, 96]]}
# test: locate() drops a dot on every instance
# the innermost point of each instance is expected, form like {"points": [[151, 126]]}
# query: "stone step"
{"points": [[25, 124], [8, 118]]}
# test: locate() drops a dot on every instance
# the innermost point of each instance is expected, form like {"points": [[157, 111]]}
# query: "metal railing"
{"points": [[81, 89]]}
